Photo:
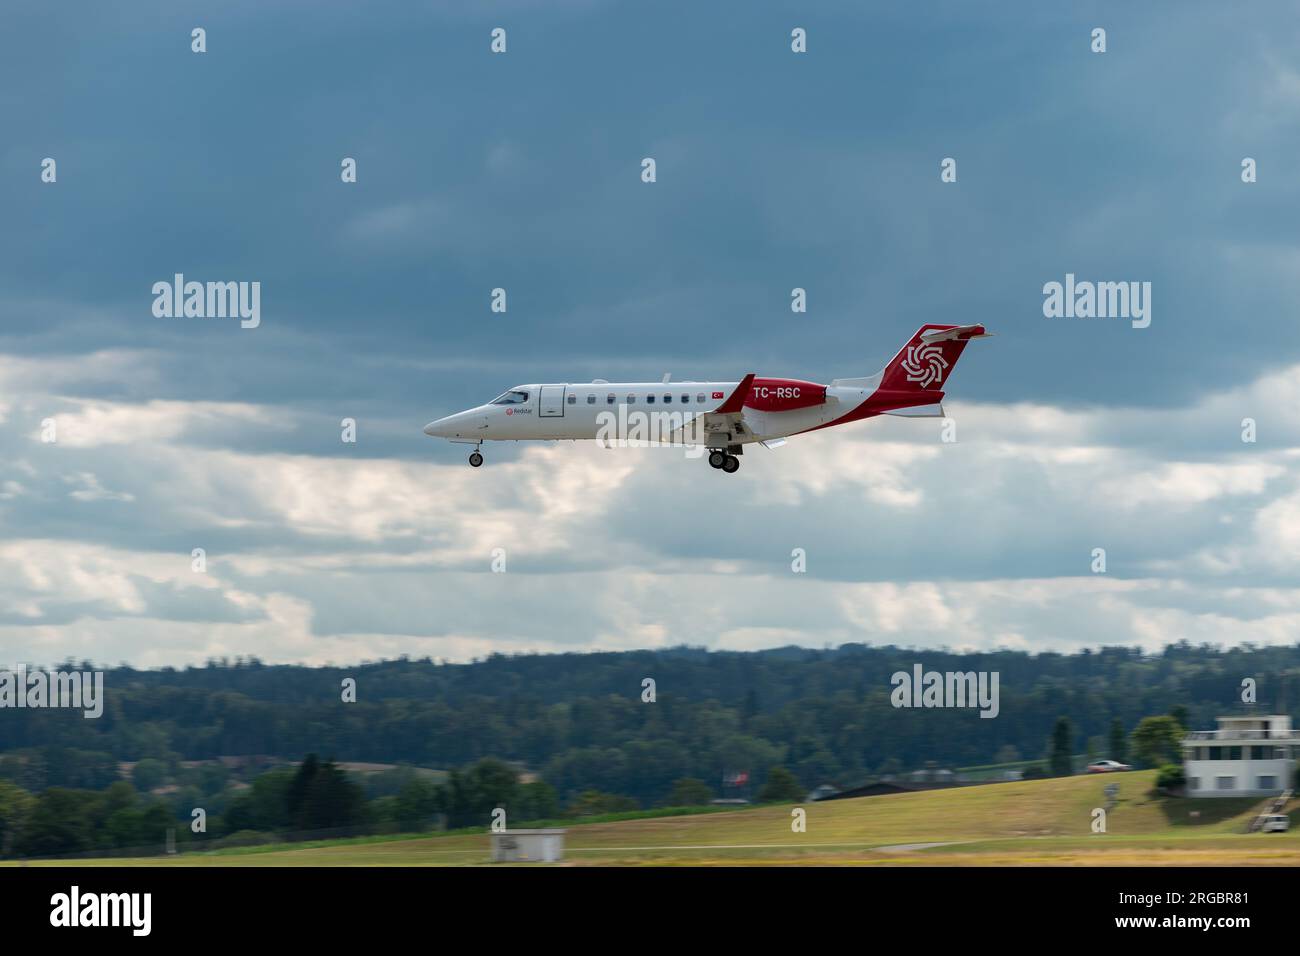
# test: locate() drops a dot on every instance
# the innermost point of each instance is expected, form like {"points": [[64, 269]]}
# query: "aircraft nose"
{"points": [[468, 424]]}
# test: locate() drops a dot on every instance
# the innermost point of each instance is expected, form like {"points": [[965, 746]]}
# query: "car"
{"points": [[1107, 766], [1276, 823]]}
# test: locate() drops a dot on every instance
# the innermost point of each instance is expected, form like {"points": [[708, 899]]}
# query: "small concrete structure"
{"points": [[528, 846]]}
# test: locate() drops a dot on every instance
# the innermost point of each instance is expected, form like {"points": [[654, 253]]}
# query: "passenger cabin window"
{"points": [[650, 399], [686, 399], [573, 399], [512, 397], [591, 399], [668, 399], [699, 397], [631, 399], [609, 399]]}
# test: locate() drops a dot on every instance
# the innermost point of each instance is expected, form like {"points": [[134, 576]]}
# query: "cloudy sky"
{"points": [[522, 171]]}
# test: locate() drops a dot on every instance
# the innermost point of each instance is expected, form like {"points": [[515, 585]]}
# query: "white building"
{"points": [[1246, 757]]}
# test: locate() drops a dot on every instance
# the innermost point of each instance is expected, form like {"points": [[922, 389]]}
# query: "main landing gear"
{"points": [[475, 459], [724, 460]]}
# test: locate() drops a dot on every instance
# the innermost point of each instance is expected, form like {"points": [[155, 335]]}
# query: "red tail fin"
{"points": [[927, 360]]}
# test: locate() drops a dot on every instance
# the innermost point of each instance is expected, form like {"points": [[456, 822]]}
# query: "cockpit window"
{"points": [[512, 397]]}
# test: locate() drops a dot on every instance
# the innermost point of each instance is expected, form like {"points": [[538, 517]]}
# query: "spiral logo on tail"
{"points": [[924, 364]]}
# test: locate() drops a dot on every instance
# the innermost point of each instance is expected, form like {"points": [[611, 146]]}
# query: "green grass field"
{"points": [[1039, 822]]}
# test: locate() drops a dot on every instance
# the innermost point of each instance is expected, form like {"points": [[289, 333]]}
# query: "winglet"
{"points": [[737, 400]]}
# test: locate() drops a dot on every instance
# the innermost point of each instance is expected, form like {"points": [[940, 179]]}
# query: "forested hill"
{"points": [[579, 719]]}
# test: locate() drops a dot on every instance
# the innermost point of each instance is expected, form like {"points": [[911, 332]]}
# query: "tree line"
{"points": [[581, 723], [311, 800]]}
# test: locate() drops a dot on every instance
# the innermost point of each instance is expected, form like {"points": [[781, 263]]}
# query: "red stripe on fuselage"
{"points": [[784, 394]]}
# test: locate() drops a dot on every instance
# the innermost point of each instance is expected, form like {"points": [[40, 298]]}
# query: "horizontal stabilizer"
{"points": [[919, 411], [957, 333]]}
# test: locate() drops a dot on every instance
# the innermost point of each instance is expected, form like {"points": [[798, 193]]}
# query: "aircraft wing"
{"points": [[723, 424]]}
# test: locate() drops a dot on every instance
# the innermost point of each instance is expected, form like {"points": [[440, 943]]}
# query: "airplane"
{"points": [[723, 417]]}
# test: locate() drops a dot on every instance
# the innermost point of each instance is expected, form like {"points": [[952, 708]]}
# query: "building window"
{"points": [[1234, 753], [1267, 782], [1193, 783], [1225, 783], [1258, 753]]}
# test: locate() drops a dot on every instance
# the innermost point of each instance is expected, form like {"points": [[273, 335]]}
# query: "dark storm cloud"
{"points": [[522, 171]]}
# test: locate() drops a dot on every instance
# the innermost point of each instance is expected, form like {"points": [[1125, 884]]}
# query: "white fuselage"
{"points": [[578, 411]]}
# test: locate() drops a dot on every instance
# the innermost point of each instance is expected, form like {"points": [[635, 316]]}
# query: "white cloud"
{"points": [[908, 540], [90, 423], [89, 489]]}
